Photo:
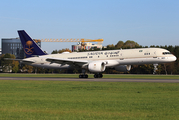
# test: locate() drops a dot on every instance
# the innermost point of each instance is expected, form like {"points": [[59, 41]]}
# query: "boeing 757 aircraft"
{"points": [[93, 61]]}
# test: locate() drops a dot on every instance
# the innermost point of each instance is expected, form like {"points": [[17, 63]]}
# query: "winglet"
{"points": [[30, 46]]}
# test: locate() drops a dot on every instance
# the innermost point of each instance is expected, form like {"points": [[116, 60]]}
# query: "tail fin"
{"points": [[30, 47]]}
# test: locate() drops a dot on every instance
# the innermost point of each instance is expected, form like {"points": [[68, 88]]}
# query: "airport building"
{"points": [[14, 46], [87, 46]]}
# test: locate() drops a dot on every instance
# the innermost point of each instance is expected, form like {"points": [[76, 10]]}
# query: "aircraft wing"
{"points": [[67, 61]]}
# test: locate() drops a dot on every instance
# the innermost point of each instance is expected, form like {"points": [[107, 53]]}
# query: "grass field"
{"points": [[72, 100], [135, 76]]}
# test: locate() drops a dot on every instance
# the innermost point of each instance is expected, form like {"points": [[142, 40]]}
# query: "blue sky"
{"points": [[147, 22]]}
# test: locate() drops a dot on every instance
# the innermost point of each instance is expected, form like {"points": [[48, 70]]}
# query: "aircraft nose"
{"points": [[174, 58]]}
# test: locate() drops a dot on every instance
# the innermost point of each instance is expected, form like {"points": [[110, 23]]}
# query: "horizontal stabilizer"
{"points": [[21, 60], [13, 59]]}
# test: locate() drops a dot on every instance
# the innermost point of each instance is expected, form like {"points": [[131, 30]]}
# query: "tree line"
{"points": [[167, 68]]}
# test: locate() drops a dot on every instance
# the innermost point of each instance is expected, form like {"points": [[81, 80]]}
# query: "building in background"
{"points": [[14, 46], [0, 52], [87, 46]]}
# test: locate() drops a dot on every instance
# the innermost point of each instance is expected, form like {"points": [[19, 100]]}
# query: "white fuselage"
{"points": [[111, 57]]}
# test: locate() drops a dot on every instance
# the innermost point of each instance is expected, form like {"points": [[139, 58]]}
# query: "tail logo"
{"points": [[28, 49]]}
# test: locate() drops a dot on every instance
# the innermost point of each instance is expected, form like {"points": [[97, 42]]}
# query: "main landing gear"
{"points": [[98, 75], [83, 76]]}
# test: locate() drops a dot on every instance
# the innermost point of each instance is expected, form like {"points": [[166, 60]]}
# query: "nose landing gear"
{"points": [[155, 68]]}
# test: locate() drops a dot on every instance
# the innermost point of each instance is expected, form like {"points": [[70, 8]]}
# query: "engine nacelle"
{"points": [[96, 66], [123, 68]]}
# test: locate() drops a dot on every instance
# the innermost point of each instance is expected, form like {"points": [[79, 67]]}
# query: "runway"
{"points": [[92, 79]]}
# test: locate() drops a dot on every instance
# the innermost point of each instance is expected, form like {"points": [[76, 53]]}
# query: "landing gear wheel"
{"points": [[83, 76], [99, 75], [80, 76]]}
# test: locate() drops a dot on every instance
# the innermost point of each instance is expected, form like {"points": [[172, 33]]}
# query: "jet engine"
{"points": [[123, 68], [96, 66]]}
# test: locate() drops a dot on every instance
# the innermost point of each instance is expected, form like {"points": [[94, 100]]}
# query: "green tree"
{"points": [[109, 47], [119, 44], [54, 52], [75, 71], [15, 66], [131, 44], [64, 50], [61, 51], [27, 69], [7, 65]]}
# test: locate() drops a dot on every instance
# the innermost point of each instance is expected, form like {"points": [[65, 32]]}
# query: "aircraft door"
{"points": [[121, 56], [155, 54]]}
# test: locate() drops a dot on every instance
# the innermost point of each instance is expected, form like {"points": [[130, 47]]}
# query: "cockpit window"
{"points": [[166, 53]]}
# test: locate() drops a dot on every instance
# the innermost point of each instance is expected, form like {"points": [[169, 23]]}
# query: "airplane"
{"points": [[93, 61]]}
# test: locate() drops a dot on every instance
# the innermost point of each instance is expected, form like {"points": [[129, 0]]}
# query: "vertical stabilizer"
{"points": [[30, 46]]}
